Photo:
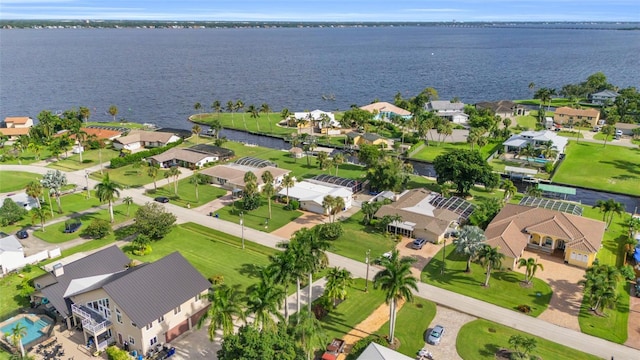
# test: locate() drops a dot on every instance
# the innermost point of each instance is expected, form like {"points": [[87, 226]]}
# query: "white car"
{"points": [[618, 132]]}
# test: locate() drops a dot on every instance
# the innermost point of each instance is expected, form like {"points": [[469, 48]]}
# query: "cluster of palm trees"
{"points": [[471, 243], [609, 208], [239, 106], [600, 283], [333, 205], [547, 150]]}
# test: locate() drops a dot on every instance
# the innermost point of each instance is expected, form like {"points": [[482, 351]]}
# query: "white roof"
{"points": [[78, 285], [519, 140], [442, 105], [308, 191], [315, 115], [10, 243], [379, 352], [21, 199]]}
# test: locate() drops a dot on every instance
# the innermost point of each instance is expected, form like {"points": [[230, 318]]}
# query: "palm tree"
{"points": [[113, 111], [39, 214], [397, 282], [85, 113], [255, 114], [34, 190], [322, 158], [196, 180], [327, 204], [264, 108], [531, 266], [35, 148], [338, 205], [509, 189], [608, 208], [316, 257], [81, 138], [152, 172], [285, 114], [299, 255], [532, 86], [288, 181], [231, 107], [491, 258], [470, 240], [174, 173], [264, 301], [216, 126], [197, 106], [338, 159], [338, 282], [308, 332], [216, 107], [224, 307], [607, 130], [282, 267], [534, 191], [268, 189], [17, 333], [195, 130], [397, 219], [240, 107], [127, 200], [600, 283], [108, 191]]}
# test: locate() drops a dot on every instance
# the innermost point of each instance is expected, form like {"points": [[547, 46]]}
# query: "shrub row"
{"points": [[135, 157]]}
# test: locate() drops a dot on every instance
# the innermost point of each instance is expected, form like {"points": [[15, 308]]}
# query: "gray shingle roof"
{"points": [[147, 293]]}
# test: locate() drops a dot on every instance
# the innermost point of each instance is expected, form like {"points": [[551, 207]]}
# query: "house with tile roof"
{"points": [[231, 176], [139, 139], [383, 110], [357, 138], [506, 109], [452, 111], [18, 122], [142, 305], [603, 97], [516, 227], [567, 115], [14, 133]]}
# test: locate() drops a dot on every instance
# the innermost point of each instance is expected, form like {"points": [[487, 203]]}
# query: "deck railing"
{"points": [[88, 321]]}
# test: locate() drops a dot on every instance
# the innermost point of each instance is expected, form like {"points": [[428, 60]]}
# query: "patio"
{"points": [[64, 344]]}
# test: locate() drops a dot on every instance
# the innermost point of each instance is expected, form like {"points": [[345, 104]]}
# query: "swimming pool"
{"points": [[37, 327]]}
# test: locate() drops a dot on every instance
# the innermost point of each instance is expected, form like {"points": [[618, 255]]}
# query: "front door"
{"points": [[119, 338], [561, 244]]}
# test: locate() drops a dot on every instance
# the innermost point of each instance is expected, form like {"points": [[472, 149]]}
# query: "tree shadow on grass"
{"points": [[625, 165], [489, 350], [250, 270]]}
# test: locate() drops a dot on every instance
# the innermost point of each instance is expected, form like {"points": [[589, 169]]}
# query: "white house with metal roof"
{"points": [[311, 194], [537, 139], [318, 117], [603, 97], [452, 111]]}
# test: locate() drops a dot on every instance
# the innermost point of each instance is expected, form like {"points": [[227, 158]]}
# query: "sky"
{"points": [[325, 10]]}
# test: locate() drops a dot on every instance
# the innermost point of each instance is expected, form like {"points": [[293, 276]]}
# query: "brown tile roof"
{"points": [[102, 134], [181, 154], [565, 110], [16, 119], [146, 136], [14, 131], [577, 231]]}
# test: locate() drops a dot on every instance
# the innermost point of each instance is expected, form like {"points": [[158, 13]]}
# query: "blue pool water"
{"points": [[34, 329]]}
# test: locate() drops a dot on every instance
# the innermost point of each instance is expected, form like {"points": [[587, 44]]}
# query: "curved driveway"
{"points": [[458, 302]]}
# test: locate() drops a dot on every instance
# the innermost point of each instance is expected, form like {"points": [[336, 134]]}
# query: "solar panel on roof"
{"points": [[455, 204], [550, 204], [255, 162]]}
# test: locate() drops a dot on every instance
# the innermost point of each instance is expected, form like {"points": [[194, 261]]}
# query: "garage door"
{"points": [[196, 317], [177, 330]]}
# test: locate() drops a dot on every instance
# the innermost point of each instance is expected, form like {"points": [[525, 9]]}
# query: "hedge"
{"points": [[135, 157]]}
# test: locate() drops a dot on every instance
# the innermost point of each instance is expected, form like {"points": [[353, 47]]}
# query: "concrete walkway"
{"points": [[477, 308]]}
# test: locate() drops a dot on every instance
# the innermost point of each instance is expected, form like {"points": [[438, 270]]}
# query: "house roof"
{"points": [[10, 244], [498, 107], [569, 111], [295, 150], [315, 115], [14, 131], [107, 261], [366, 136], [383, 106], [444, 105], [311, 191], [378, 352], [17, 119], [146, 136], [213, 150], [627, 126], [234, 173], [543, 136], [606, 93], [514, 223], [101, 133], [186, 155], [154, 289]]}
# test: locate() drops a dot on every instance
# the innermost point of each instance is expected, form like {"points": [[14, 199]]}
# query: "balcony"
{"points": [[92, 322]]}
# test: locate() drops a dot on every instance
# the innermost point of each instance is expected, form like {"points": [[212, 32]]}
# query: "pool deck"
{"points": [[33, 318], [72, 343]]}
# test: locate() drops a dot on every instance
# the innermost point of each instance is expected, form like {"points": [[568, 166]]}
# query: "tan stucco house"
{"points": [[565, 115], [18, 122], [139, 139]]}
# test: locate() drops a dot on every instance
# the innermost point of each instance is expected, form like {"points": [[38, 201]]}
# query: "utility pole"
{"points": [[366, 278], [444, 246], [86, 177]]}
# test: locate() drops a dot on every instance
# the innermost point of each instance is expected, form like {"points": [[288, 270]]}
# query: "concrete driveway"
{"points": [[452, 321], [422, 256]]}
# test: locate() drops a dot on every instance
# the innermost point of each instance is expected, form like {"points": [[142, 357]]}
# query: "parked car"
{"points": [[435, 335], [162, 199], [618, 132], [596, 128], [71, 226], [22, 234], [418, 243]]}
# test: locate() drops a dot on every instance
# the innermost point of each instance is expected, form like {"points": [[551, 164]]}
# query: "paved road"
{"points": [[465, 304]]}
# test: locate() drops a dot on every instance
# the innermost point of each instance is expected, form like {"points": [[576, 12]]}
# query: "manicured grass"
{"points": [[263, 124], [130, 176], [129, 125], [10, 300], [353, 310], [555, 102], [429, 153], [610, 168], [571, 134], [89, 158], [600, 136], [16, 180], [55, 233], [412, 323], [257, 219], [358, 238], [504, 289], [481, 339], [187, 193], [527, 122], [28, 157], [213, 253]]}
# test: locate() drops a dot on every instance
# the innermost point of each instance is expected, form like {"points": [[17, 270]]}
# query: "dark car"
{"points": [[71, 226], [435, 335], [418, 243], [22, 234], [162, 199]]}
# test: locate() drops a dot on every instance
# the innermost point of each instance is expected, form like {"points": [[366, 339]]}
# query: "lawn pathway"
{"points": [[367, 327]]}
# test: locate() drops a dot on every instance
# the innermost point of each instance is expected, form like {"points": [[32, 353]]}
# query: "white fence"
{"points": [[19, 263]]}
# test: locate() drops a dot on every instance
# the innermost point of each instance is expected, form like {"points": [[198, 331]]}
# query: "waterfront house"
{"points": [[516, 227], [139, 139], [316, 119], [452, 111], [506, 109], [383, 110], [358, 139], [14, 133], [567, 115], [231, 176], [110, 302], [100, 133], [603, 97], [18, 122], [536, 138], [310, 195], [187, 158]]}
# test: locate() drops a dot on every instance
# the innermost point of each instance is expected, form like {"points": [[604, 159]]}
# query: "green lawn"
{"points": [[257, 219], [16, 180], [54, 234], [412, 323], [481, 339], [187, 193], [571, 134], [130, 176], [128, 125], [528, 121], [28, 157], [10, 300], [504, 289], [600, 136], [213, 253], [263, 124], [89, 158], [610, 168], [352, 311], [429, 153], [358, 238]]}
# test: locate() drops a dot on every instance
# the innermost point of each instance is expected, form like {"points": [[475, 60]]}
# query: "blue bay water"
{"points": [[157, 75]]}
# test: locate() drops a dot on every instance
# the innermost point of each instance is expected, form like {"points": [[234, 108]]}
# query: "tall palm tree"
{"points": [[174, 173], [85, 113], [17, 333], [195, 130], [298, 253], [338, 282], [308, 332], [108, 191], [600, 283], [322, 158], [216, 107], [288, 182], [338, 159], [35, 148], [254, 114], [240, 107], [608, 208], [509, 189], [531, 266], [216, 126], [152, 172], [317, 257], [491, 258], [268, 189], [285, 114], [264, 301], [198, 107], [327, 204], [127, 200], [39, 214], [397, 282], [113, 111], [224, 307], [264, 108], [35, 190], [282, 267], [397, 219], [81, 138], [470, 240], [231, 107], [197, 179]]}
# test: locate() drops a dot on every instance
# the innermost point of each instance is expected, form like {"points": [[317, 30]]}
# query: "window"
{"points": [[149, 326], [153, 341], [198, 297], [118, 316], [131, 340], [547, 241], [176, 310], [160, 319]]}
